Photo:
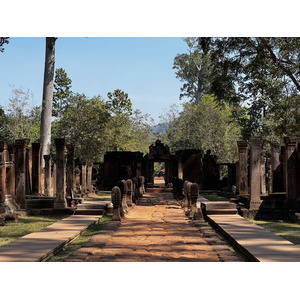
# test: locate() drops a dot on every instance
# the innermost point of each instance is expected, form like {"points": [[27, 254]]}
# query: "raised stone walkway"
{"points": [[40, 245], [156, 230]]}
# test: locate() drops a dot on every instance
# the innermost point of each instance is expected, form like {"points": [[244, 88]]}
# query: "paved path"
{"points": [[156, 230], [41, 244], [258, 243]]}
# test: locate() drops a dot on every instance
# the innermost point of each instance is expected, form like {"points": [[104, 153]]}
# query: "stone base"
{"points": [[59, 205], [264, 214]]}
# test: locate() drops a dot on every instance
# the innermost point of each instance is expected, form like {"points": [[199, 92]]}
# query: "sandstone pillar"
{"points": [[255, 170], [20, 158], [291, 171], [36, 168], [2, 177], [129, 191], [180, 169], [54, 177], [60, 201], [28, 172], [277, 177], [89, 176], [263, 183], [116, 199], [242, 168], [70, 168], [83, 177], [47, 178]]}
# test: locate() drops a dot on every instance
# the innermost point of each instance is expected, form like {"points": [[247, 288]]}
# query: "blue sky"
{"points": [[142, 67]]}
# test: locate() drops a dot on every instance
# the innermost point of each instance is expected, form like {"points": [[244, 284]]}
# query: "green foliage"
{"points": [[208, 125], [85, 122], [62, 92], [3, 40], [20, 120]]}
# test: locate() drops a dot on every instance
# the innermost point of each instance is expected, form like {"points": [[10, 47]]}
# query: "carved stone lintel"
{"points": [[242, 144], [255, 143]]}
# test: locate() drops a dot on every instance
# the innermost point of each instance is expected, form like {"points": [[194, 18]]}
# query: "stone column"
{"points": [[36, 168], [263, 186], [255, 170], [291, 171], [2, 177], [54, 178], [70, 168], [83, 177], [180, 170], [129, 191], [242, 168], [89, 175], [47, 175], [60, 201], [20, 158], [28, 172], [275, 164]]}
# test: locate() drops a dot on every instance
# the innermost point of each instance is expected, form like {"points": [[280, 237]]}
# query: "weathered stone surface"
{"points": [[116, 199], [242, 168]]}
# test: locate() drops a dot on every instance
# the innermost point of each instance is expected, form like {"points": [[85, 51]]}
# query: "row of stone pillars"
{"points": [[20, 173], [288, 180]]}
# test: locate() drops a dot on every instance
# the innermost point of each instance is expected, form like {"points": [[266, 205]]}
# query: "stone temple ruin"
{"points": [[261, 187]]}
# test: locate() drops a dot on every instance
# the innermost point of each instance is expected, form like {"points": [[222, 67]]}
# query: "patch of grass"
{"points": [[81, 240], [213, 197], [26, 225], [100, 196], [287, 230]]}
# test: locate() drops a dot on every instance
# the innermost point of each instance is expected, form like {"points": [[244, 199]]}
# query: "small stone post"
{"points": [[60, 201], [70, 167], [89, 176], [116, 201], [135, 190], [83, 177], [255, 170], [291, 171], [129, 191], [47, 175], [242, 168], [186, 197], [124, 198], [36, 171], [20, 158]]}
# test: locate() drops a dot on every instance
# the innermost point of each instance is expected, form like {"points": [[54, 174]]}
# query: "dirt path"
{"points": [[157, 230]]}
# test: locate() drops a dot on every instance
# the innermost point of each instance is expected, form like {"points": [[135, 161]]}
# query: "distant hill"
{"points": [[159, 128]]}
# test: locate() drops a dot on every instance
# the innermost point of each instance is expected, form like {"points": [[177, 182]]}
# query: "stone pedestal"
{"points": [[60, 201], [20, 158], [255, 172], [83, 177], [242, 168], [89, 176], [36, 169], [70, 168], [47, 175], [291, 158]]}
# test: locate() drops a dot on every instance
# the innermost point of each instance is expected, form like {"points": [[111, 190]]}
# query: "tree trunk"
{"points": [[45, 135]]}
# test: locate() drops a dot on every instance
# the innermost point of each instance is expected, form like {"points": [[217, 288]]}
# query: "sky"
{"points": [[140, 66]]}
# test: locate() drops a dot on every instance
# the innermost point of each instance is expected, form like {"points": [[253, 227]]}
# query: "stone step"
{"points": [[83, 211], [39, 203], [159, 190], [91, 206], [221, 212], [211, 205], [51, 211]]}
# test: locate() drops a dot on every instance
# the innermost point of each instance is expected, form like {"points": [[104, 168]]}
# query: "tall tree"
{"points": [[46, 117], [62, 92]]}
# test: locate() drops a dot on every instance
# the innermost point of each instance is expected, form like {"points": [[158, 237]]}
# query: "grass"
{"points": [[81, 240], [213, 197], [100, 196], [287, 230], [26, 225]]}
